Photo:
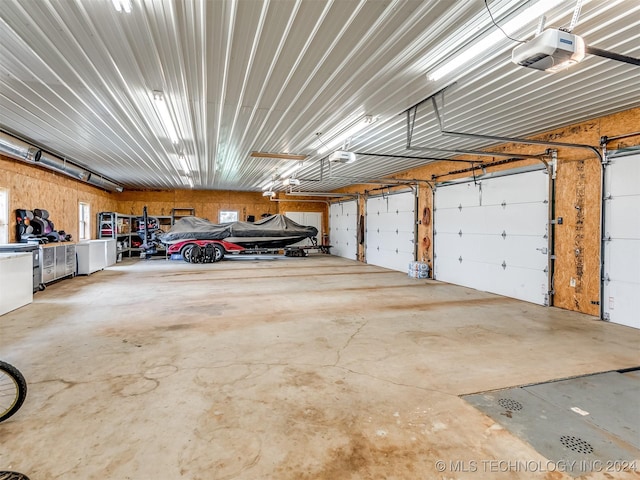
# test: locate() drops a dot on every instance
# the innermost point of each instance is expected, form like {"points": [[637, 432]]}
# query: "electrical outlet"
{"points": [[572, 282]]}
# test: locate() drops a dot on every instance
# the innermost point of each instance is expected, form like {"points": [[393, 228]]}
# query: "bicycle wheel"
{"points": [[6, 475], [13, 390]]}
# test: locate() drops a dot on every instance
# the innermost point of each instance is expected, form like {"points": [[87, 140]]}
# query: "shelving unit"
{"points": [[165, 221], [119, 226], [124, 228], [178, 213]]}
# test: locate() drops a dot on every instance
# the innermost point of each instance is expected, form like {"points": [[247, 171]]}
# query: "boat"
{"points": [[275, 231]]}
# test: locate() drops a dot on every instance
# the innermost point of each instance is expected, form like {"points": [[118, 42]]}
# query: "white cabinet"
{"points": [[94, 255], [16, 278]]}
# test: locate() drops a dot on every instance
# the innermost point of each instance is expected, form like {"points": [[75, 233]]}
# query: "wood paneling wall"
{"points": [[209, 203], [33, 187]]}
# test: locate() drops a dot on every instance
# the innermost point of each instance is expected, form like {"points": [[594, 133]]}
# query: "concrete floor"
{"points": [[282, 368]]}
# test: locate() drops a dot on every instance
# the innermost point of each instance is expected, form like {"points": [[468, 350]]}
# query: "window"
{"points": [[4, 215], [228, 216], [84, 221]]}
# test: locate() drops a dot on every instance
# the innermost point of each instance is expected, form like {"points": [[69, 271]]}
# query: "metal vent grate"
{"points": [[576, 444], [510, 404]]}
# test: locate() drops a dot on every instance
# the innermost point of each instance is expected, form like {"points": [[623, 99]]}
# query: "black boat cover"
{"points": [[275, 226]]}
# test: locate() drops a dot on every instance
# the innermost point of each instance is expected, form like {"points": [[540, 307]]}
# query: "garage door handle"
{"points": [[544, 250]]}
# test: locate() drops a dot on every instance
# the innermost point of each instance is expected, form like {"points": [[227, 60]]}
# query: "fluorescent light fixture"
{"points": [[344, 135], [471, 54], [122, 5], [183, 163], [165, 116], [291, 171], [186, 179]]}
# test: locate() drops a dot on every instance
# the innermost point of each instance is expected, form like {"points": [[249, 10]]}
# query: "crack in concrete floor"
{"points": [[274, 381]]}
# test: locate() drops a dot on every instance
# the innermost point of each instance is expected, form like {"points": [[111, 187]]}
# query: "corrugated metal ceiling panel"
{"points": [[242, 75]]}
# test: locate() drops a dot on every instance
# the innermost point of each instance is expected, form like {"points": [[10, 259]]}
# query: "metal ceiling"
{"points": [[241, 76]]}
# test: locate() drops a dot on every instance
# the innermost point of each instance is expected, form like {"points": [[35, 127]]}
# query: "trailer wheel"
{"points": [[185, 251], [218, 253]]}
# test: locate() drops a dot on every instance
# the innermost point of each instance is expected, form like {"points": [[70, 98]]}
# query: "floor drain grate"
{"points": [[510, 404], [576, 444]]}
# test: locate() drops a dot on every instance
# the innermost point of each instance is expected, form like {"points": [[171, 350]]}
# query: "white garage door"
{"points": [[621, 288], [343, 227], [390, 232], [491, 235]]}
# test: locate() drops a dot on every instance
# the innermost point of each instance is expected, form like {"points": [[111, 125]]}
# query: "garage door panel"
{"points": [[531, 187], [390, 259], [622, 184], [621, 288], [622, 303], [343, 223], [403, 240], [448, 244], [499, 244], [453, 196], [473, 219], [402, 248], [520, 219], [390, 232], [522, 283], [445, 223], [623, 252], [512, 250], [451, 270], [391, 221], [623, 219]]}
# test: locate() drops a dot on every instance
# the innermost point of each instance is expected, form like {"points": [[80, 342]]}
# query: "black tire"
{"points": [[5, 475], [196, 254], [218, 253], [13, 390], [186, 252]]}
